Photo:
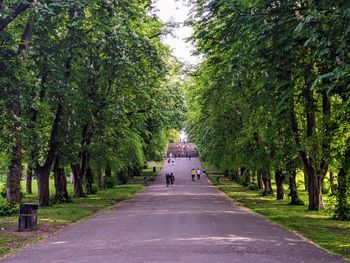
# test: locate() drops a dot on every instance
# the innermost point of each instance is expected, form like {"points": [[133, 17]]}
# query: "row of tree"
{"points": [[85, 85], [272, 92]]}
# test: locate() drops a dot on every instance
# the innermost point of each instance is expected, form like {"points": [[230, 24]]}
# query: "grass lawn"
{"points": [[54, 218], [318, 227]]}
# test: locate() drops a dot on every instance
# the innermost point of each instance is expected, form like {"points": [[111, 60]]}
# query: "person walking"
{"points": [[198, 174], [167, 178], [193, 174], [172, 178]]}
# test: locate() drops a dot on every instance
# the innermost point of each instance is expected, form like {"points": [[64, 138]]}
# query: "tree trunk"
{"points": [[43, 172], [314, 191], [331, 182], [13, 184], [16, 11], [246, 178], [100, 181], [13, 193], [259, 180], [294, 199], [266, 178], [61, 193], [108, 177], [279, 178], [89, 180], [29, 178], [78, 181]]}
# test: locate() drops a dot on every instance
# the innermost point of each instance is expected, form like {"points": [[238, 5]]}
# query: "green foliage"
{"points": [[8, 209], [272, 91], [105, 65]]}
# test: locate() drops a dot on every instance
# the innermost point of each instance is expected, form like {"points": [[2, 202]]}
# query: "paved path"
{"points": [[189, 222]]}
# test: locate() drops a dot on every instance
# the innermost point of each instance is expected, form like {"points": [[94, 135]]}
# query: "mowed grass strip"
{"points": [[318, 227], [56, 217]]}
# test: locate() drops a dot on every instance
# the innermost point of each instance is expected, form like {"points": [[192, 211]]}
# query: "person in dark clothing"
{"points": [[167, 178], [172, 178], [193, 174]]}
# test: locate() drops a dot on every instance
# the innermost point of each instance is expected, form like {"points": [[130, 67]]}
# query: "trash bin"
{"points": [[154, 169], [28, 216]]}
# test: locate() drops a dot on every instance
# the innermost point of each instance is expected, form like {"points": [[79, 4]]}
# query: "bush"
{"points": [[7, 209], [3, 191], [123, 177]]}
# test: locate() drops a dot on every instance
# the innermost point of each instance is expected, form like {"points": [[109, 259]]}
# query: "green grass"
{"points": [[318, 227], [53, 218]]}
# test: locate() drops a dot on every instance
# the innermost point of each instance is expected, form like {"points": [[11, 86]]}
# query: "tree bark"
{"points": [[279, 178], [314, 192], [13, 193], [294, 198], [33, 149], [100, 181], [78, 181], [29, 179], [19, 9], [108, 173], [89, 180], [13, 187], [266, 178], [246, 178], [259, 180], [61, 193], [332, 183], [43, 172]]}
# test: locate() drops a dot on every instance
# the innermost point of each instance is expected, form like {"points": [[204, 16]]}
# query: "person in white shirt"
{"points": [[198, 174]]}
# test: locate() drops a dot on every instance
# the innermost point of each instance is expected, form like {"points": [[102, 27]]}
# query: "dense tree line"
{"points": [[85, 86], [272, 93]]}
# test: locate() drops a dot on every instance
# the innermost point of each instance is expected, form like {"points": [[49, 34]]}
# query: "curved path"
{"points": [[188, 222]]}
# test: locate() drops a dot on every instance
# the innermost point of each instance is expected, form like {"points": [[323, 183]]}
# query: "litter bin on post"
{"points": [[154, 169], [28, 216]]}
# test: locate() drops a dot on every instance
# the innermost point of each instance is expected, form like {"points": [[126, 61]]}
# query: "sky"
{"points": [[177, 11]]}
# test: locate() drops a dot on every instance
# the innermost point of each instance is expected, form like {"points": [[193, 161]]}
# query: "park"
{"points": [[174, 131]]}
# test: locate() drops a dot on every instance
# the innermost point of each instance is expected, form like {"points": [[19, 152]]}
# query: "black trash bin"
{"points": [[28, 216], [154, 169]]}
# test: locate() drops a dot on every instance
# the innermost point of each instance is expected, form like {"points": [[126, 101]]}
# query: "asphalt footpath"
{"points": [[190, 221]]}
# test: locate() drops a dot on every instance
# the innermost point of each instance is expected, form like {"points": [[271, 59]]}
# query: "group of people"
{"points": [[195, 172], [170, 179]]}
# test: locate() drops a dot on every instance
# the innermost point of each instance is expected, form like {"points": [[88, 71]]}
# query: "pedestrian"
{"points": [[193, 174], [198, 174], [169, 160], [189, 157], [167, 178], [172, 178]]}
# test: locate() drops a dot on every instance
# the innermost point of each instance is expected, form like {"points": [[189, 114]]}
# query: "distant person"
{"points": [[167, 179], [193, 174], [189, 156], [172, 163], [198, 174], [169, 160], [172, 178]]}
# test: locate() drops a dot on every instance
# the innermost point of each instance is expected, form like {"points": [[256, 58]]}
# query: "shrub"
{"points": [[7, 209]]}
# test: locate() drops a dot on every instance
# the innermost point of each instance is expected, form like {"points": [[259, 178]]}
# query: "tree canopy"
{"points": [[272, 92], [86, 86]]}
